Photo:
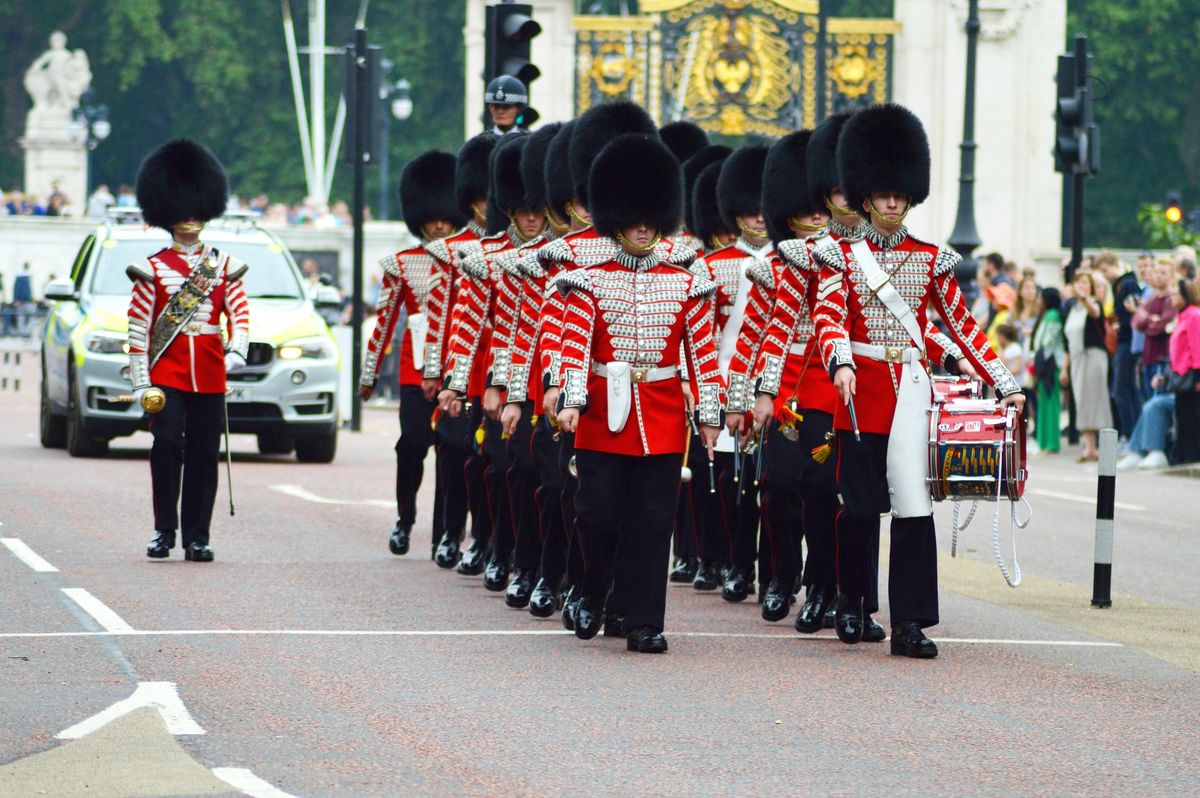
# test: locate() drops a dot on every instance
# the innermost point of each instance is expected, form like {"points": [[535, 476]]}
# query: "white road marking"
{"points": [[248, 783], [299, 492], [1071, 497], [27, 555], [520, 633], [98, 610], [159, 695]]}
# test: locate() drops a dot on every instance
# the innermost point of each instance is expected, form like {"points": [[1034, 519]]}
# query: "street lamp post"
{"points": [[91, 118], [965, 237], [396, 101]]}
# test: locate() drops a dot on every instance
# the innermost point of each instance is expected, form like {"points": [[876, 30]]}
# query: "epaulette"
{"points": [[556, 251], [680, 255], [702, 287], [438, 249], [945, 261], [494, 242], [509, 262], [795, 252], [473, 261], [699, 267], [574, 280], [830, 254], [139, 271], [761, 273], [238, 272], [390, 266], [528, 262]]}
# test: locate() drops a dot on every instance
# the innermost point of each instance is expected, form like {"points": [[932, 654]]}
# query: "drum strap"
{"points": [[1013, 579]]}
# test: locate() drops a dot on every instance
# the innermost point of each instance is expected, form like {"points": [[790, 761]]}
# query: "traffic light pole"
{"points": [[1076, 224], [360, 181]]}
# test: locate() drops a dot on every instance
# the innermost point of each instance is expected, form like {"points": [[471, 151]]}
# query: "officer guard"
{"points": [[870, 320], [506, 98], [417, 283], [621, 366], [177, 356]]}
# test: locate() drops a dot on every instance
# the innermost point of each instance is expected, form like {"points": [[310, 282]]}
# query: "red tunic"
{"points": [[847, 312], [194, 361], [764, 277], [642, 311], [470, 338]]}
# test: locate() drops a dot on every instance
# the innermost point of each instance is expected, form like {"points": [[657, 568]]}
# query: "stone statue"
{"points": [[55, 81], [56, 149]]}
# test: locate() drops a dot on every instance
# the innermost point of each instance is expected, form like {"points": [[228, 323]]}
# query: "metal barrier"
{"points": [[10, 370]]}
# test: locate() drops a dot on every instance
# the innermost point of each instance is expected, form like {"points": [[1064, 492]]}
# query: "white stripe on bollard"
{"points": [[1106, 494]]}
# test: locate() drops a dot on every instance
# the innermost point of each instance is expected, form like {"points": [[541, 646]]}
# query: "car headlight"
{"points": [[106, 343], [320, 348]]}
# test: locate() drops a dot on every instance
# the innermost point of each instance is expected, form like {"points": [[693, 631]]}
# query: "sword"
{"points": [[712, 474], [228, 456], [758, 454], [853, 418]]}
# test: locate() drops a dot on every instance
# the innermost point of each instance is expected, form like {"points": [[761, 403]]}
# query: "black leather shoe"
{"points": [[708, 576], [737, 584], [543, 601], [519, 589], [495, 576], [587, 620], [684, 569], [830, 618], [198, 552], [909, 641], [447, 553], [645, 640], [614, 624], [398, 540], [849, 623], [812, 615], [873, 632], [777, 602], [473, 560], [160, 547], [570, 605]]}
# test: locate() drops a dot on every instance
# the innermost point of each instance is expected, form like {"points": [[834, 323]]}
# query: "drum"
{"points": [[976, 451], [947, 388]]}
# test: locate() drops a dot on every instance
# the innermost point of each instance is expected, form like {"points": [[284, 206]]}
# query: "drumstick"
{"points": [[853, 418]]}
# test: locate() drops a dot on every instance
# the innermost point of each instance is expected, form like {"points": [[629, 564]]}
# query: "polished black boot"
{"points": [[684, 569], [872, 631], [777, 602], [398, 540], [830, 618], [737, 584], [495, 576], [198, 552], [812, 615], [543, 601], [909, 641], [473, 560], [160, 547], [520, 589], [614, 624], [447, 553], [849, 623], [587, 619], [646, 640], [570, 605], [708, 576]]}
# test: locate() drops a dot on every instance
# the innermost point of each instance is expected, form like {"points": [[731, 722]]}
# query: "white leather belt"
{"points": [[887, 354], [797, 349], [198, 328], [637, 375]]}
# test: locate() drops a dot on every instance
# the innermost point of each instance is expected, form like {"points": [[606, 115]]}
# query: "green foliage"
{"points": [[1161, 234]]}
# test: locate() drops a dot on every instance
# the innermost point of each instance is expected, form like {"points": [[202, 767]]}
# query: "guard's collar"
{"points": [[754, 252], [884, 242], [187, 249], [842, 231]]}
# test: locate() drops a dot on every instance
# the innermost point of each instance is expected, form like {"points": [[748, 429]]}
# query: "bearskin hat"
{"points": [[821, 160], [884, 148], [559, 188], [598, 126], [706, 216], [692, 167], [684, 139], [181, 180], [427, 191], [739, 189], [506, 192], [635, 180], [471, 171], [533, 165], [785, 185]]}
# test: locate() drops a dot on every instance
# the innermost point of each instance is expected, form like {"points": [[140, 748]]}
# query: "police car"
{"points": [[286, 395]]}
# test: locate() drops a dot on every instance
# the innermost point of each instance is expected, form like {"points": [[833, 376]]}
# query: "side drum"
{"points": [[951, 389], [976, 451]]}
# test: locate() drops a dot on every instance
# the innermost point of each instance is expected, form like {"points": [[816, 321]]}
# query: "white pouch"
{"points": [[620, 389]]}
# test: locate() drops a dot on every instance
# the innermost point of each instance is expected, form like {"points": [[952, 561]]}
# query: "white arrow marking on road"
{"points": [[97, 609], [248, 783], [27, 555], [159, 695], [1071, 497], [304, 493]]}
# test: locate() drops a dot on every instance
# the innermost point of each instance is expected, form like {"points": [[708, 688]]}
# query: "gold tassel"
{"points": [[480, 434], [822, 453], [533, 420]]}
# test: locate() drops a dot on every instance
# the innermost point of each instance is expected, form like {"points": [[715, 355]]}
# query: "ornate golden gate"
{"points": [[734, 67]]}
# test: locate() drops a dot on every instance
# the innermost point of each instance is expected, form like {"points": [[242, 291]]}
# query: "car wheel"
{"points": [[317, 450], [52, 428], [80, 442], [275, 443]]}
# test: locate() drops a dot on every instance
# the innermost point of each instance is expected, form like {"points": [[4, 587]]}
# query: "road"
{"points": [[317, 664]]}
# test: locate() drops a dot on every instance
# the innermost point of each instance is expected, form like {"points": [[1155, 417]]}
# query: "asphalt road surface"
{"points": [[308, 661]]}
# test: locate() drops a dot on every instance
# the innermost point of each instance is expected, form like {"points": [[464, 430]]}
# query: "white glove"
{"points": [[138, 393], [233, 362]]}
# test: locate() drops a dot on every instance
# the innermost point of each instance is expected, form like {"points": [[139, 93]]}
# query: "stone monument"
{"points": [[55, 145]]}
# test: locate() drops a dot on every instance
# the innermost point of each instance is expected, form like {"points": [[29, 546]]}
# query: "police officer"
{"points": [[506, 98]]}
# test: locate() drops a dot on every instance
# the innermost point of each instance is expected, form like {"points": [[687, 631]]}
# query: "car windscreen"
{"points": [[271, 275]]}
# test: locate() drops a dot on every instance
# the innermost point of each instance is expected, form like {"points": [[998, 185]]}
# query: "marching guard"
{"points": [[871, 321], [628, 318], [177, 355]]}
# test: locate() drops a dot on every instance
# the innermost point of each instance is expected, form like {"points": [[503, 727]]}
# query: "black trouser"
{"points": [[738, 502], [912, 567], [553, 563], [522, 492], [186, 449], [711, 534], [495, 479], [782, 505], [473, 475], [452, 455], [575, 566], [416, 436], [625, 507], [684, 539]]}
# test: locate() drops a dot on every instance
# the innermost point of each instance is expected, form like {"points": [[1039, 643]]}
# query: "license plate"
{"points": [[238, 393]]}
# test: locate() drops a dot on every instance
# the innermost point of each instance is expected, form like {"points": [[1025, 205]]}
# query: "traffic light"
{"points": [[1173, 212], [510, 28], [1076, 136]]}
